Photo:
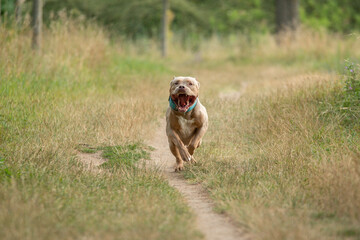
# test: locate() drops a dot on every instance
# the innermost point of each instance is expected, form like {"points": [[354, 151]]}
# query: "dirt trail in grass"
{"points": [[213, 225], [91, 160]]}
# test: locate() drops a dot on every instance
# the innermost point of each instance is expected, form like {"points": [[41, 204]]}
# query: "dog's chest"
{"points": [[187, 127]]}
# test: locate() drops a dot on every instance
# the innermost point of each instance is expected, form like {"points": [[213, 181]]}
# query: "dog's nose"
{"points": [[181, 87]]}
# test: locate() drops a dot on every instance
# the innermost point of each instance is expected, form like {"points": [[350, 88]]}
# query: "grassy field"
{"points": [[281, 155], [282, 152], [80, 89]]}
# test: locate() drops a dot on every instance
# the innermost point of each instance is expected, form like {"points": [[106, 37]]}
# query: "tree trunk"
{"points": [[164, 30], [36, 24], [293, 17], [287, 15], [18, 11]]}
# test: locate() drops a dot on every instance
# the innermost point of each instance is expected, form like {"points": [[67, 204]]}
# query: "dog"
{"points": [[186, 120]]}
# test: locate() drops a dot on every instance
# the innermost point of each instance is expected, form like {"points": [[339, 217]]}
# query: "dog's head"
{"points": [[183, 92]]}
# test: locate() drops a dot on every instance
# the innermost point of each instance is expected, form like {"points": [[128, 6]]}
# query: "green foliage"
{"points": [[350, 102], [335, 15], [245, 16], [344, 104], [7, 6], [352, 83], [142, 18]]}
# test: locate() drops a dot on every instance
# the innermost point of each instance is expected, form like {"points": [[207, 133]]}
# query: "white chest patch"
{"points": [[186, 126]]}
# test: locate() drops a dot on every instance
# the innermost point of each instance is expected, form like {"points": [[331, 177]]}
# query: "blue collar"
{"points": [[173, 105]]}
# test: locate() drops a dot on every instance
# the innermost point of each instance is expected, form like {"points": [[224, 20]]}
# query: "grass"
{"points": [[124, 155], [81, 91], [47, 203], [282, 167], [283, 161], [281, 154]]}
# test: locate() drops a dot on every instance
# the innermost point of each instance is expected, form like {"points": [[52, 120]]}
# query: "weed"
{"points": [[5, 172], [350, 102]]}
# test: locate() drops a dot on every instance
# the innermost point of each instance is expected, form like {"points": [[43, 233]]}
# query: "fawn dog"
{"points": [[186, 120]]}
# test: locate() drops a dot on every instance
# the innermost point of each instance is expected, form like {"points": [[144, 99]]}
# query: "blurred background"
{"points": [[141, 18], [187, 22]]}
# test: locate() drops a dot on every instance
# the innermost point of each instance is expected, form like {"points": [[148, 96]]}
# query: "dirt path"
{"points": [[213, 225], [92, 161]]}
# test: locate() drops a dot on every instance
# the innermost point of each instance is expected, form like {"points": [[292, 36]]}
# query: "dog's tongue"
{"points": [[183, 102]]}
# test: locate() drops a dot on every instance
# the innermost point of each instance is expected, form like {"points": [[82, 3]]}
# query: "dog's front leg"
{"points": [[175, 152], [175, 139], [196, 139]]}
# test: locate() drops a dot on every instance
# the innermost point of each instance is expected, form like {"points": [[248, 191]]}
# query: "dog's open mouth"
{"points": [[183, 101]]}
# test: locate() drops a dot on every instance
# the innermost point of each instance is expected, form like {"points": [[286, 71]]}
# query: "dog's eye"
{"points": [[190, 84], [176, 83]]}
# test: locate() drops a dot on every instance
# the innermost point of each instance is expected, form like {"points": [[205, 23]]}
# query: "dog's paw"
{"points": [[191, 149], [185, 155], [179, 167], [192, 160]]}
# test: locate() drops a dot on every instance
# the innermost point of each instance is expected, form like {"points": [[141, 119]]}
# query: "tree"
{"points": [[164, 30], [18, 11], [36, 23], [287, 15]]}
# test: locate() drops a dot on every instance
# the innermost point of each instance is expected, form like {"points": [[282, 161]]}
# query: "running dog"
{"points": [[186, 120]]}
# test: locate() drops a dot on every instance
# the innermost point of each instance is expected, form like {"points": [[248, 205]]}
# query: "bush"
{"points": [[350, 102]]}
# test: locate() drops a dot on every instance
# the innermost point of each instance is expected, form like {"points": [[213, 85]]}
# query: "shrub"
{"points": [[350, 98]]}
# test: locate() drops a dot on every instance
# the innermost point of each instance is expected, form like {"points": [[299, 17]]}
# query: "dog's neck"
{"points": [[174, 107]]}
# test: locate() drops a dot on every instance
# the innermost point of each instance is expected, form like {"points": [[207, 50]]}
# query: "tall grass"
{"points": [[313, 50], [80, 89], [281, 154], [279, 164]]}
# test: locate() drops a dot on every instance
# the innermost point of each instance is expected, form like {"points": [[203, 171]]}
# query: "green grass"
{"points": [[350, 233], [130, 65], [124, 155]]}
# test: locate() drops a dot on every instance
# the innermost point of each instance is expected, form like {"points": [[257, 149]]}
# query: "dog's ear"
{"points": [[197, 83], [172, 80]]}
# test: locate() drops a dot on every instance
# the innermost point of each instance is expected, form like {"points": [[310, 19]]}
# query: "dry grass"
{"points": [[274, 162], [306, 49], [272, 158], [80, 89]]}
